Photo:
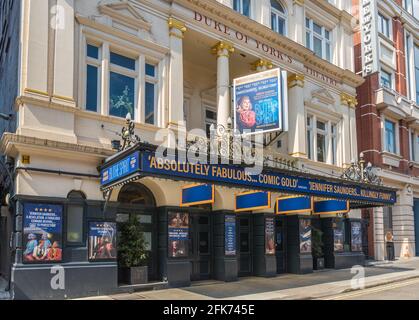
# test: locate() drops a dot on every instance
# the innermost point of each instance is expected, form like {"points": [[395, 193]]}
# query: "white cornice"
{"points": [[231, 18]]}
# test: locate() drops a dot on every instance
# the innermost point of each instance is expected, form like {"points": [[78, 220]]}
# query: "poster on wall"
{"points": [[42, 233], [305, 236], [260, 103], [356, 236], [102, 241], [269, 236], [178, 233], [338, 237], [230, 235]]}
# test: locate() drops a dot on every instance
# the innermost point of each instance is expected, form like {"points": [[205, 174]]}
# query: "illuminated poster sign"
{"points": [[269, 180], [260, 102], [42, 233], [230, 235], [368, 18], [102, 241]]}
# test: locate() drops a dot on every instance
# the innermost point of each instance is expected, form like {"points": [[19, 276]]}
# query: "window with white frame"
{"points": [[93, 63], [322, 140], [390, 136], [386, 79], [318, 39], [278, 17], [417, 72], [414, 145], [408, 6], [150, 93], [242, 6], [383, 25], [124, 85], [334, 141], [408, 48]]}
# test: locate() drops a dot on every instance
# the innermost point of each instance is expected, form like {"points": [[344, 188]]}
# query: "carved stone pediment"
{"points": [[125, 17], [322, 96]]}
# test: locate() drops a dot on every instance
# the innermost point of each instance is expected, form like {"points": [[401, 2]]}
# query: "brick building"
{"points": [[387, 55]]}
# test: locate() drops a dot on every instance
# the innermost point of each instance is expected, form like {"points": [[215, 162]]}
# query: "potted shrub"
{"points": [[317, 249], [132, 254]]}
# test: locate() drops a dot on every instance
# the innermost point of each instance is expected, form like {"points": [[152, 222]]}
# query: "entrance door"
{"points": [[416, 213], [280, 239], [245, 245], [200, 246]]}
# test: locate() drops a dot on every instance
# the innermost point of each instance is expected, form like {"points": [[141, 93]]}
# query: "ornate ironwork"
{"points": [[360, 173], [128, 135]]}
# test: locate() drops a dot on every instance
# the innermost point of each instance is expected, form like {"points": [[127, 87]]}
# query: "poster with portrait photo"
{"points": [[42, 233], [178, 234], [269, 236], [338, 236], [305, 236], [259, 102], [102, 241], [356, 236]]}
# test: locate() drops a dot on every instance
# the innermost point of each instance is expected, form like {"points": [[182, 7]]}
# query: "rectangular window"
{"points": [[408, 6], [321, 141], [383, 25], [150, 94], [318, 39], [122, 83], [75, 224], [388, 219], [242, 6], [390, 136], [408, 71], [334, 144], [385, 79], [93, 64], [92, 88], [310, 138], [417, 72]]}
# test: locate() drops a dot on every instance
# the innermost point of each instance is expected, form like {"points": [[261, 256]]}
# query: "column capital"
{"points": [[222, 49], [296, 80], [348, 100], [261, 64], [177, 25], [298, 2]]}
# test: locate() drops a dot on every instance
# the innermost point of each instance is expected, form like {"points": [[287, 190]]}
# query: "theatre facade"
{"points": [[104, 84]]}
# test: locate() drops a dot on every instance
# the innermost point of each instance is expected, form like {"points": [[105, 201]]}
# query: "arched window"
{"points": [[75, 218], [278, 17], [135, 193]]}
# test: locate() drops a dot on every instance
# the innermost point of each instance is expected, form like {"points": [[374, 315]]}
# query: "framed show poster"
{"points": [[305, 236], [269, 236], [356, 236], [178, 234], [42, 233], [102, 241], [230, 235], [338, 236]]}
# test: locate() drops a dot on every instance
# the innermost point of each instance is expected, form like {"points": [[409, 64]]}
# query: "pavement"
{"points": [[317, 285]]}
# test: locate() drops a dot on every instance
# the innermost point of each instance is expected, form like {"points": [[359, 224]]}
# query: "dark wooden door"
{"points": [[245, 244], [200, 246], [280, 238]]}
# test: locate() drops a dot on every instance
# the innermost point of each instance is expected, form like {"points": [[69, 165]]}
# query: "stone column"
{"points": [[176, 31], [63, 52], [223, 51], [261, 65], [349, 136], [297, 28], [404, 224], [296, 115], [379, 245]]}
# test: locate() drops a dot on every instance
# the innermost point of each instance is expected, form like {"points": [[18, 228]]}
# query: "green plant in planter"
{"points": [[317, 243], [132, 245]]}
